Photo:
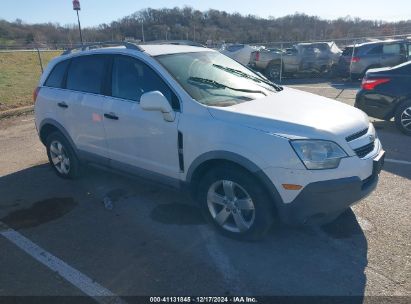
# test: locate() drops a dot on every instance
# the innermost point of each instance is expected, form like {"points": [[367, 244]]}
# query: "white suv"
{"points": [[248, 150]]}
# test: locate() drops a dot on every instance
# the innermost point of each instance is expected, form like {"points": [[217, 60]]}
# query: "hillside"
{"points": [[187, 23]]}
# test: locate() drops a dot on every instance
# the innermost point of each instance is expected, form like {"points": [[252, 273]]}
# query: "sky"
{"points": [[95, 12]]}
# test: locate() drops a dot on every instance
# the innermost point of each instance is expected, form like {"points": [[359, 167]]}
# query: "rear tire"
{"points": [[62, 157], [402, 117], [235, 203]]}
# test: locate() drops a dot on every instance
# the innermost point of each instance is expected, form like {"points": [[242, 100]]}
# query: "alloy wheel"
{"points": [[59, 157], [230, 206], [406, 119]]}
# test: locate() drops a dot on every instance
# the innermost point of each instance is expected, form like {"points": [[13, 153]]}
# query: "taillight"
{"points": [[370, 84], [257, 56], [35, 93], [355, 59]]}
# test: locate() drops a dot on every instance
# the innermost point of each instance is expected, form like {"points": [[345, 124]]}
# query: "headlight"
{"points": [[318, 154]]}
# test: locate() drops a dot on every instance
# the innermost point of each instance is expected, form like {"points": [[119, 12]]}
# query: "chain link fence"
{"points": [[343, 59], [20, 71], [288, 62]]}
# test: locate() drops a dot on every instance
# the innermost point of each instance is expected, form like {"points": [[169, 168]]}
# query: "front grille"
{"points": [[364, 150], [356, 135]]}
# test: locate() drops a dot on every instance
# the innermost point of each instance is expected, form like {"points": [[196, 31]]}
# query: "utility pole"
{"points": [[142, 29], [76, 7]]}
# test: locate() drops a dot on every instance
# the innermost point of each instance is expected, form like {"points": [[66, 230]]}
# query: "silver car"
{"points": [[357, 59]]}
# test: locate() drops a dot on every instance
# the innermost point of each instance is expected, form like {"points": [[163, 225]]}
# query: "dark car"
{"points": [[371, 55], [386, 93]]}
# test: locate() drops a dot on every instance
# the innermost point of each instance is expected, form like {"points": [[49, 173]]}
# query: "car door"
{"points": [[86, 78], [392, 54], [139, 140]]}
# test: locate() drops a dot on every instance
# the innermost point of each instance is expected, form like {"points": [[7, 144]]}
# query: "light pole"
{"points": [[142, 29], [76, 7]]}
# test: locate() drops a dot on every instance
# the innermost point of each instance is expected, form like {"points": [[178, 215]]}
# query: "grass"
{"points": [[19, 75]]}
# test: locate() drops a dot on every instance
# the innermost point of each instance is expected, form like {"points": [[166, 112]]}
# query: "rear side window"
{"points": [[375, 50], [56, 77], [132, 78], [393, 49], [87, 73]]}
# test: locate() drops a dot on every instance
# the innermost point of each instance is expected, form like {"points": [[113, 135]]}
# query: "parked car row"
{"points": [[303, 57], [322, 58]]}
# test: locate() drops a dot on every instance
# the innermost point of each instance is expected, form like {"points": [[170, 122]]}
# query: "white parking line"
{"points": [[73, 276], [395, 161]]}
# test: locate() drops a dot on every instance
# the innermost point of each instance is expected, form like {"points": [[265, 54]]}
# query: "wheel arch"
{"points": [[49, 126], [398, 103], [213, 159]]}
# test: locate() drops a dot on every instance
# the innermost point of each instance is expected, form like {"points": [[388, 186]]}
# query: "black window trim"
{"points": [[103, 83], [109, 83]]}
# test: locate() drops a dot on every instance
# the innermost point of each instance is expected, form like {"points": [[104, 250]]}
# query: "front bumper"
{"points": [[322, 201]]}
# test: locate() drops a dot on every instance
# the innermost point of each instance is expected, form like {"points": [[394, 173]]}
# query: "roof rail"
{"points": [[176, 42], [95, 45]]}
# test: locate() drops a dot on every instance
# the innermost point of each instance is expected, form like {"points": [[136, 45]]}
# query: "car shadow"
{"points": [[308, 261], [305, 261]]}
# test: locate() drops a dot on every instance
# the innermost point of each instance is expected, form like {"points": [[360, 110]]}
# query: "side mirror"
{"points": [[155, 101]]}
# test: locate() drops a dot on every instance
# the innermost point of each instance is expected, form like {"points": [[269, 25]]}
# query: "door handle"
{"points": [[62, 105], [111, 115]]}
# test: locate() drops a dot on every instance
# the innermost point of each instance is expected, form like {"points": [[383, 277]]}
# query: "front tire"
{"points": [[236, 204], [62, 157], [403, 117]]}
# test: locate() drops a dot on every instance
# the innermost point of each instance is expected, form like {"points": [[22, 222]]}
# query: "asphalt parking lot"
{"points": [[152, 241]]}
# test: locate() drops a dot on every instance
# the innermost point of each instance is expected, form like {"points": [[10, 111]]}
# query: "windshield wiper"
{"points": [[245, 75], [218, 85]]}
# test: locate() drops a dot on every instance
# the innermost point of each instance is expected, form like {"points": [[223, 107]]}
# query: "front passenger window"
{"points": [[132, 78]]}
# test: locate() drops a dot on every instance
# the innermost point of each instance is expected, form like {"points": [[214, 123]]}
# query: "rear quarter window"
{"points": [[56, 76]]}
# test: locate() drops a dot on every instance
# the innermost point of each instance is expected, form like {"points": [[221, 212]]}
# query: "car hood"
{"points": [[295, 114]]}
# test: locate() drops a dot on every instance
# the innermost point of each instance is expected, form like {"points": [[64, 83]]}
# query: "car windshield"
{"points": [[214, 79]]}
